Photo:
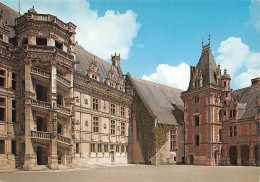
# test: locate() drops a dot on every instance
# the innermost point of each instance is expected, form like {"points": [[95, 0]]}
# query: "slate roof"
{"points": [[208, 67], [9, 15], [165, 102], [246, 99], [85, 58]]}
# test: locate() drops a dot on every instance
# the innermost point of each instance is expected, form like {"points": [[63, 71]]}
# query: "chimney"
{"points": [[255, 81], [116, 62]]}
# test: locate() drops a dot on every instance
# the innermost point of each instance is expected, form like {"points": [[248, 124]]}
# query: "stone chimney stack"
{"points": [[116, 62], [255, 81]]}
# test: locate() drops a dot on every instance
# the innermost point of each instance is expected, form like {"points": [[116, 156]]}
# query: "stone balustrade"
{"points": [[63, 139], [41, 135], [63, 80], [40, 72]]}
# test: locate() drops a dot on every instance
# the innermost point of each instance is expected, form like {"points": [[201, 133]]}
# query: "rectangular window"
{"points": [[105, 148], [59, 100], [41, 93], [122, 112], [13, 81], [95, 124], [230, 132], [2, 146], [13, 147], [122, 148], [123, 128], [77, 148], [58, 45], [99, 148], [220, 135], [117, 148], [41, 41], [172, 140], [2, 109], [93, 148], [13, 111], [112, 127], [113, 109], [196, 120], [95, 104], [2, 78], [235, 130], [197, 140], [232, 113]]}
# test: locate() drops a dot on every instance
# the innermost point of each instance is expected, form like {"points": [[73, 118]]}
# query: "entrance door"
{"points": [[112, 156], [191, 159], [257, 156], [245, 155], [42, 156], [233, 155]]}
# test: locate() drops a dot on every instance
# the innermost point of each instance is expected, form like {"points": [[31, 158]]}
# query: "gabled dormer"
{"points": [[4, 32], [93, 71], [110, 80]]}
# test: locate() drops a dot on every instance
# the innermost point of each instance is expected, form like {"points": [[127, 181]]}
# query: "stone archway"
{"points": [[233, 155]]}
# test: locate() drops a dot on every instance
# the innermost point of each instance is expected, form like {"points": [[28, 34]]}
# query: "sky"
{"points": [[159, 40]]}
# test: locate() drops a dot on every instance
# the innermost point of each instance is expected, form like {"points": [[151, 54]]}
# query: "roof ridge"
{"points": [[10, 9], [245, 88], [157, 83]]}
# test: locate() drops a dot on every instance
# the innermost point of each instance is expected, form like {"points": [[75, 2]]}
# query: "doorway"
{"points": [[112, 153], [245, 155], [233, 155], [191, 159], [42, 156], [41, 124]]}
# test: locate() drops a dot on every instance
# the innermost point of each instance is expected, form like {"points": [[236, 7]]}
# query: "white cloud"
{"points": [[255, 13], [241, 63], [101, 35], [177, 77]]}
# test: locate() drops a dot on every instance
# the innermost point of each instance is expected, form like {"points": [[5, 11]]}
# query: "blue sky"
{"points": [[159, 40]]}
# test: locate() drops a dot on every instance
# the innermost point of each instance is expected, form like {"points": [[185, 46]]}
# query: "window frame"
{"points": [[197, 140], [112, 127], [122, 128], [172, 140], [95, 103], [95, 126], [113, 109]]}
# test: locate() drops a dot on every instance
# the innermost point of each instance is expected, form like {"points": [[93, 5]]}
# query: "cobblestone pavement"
{"points": [[135, 173]]}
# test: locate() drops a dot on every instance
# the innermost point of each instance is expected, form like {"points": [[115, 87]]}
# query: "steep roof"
{"points": [[9, 15], [85, 58], [165, 102], [208, 66], [246, 99]]}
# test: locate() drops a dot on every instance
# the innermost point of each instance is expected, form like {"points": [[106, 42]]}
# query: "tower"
{"points": [[201, 115]]}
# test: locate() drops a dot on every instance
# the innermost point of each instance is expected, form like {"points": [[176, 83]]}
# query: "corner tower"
{"points": [[201, 115]]}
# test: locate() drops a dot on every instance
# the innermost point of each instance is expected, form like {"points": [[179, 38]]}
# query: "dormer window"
{"points": [[197, 83], [197, 99], [94, 77], [232, 113]]}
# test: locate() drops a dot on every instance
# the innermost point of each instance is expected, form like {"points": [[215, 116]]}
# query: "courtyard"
{"points": [[135, 173]]}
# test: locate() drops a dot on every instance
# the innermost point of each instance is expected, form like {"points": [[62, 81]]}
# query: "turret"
{"points": [[226, 80]]}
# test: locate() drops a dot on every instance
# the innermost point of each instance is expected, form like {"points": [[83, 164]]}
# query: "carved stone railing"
{"points": [[63, 109], [40, 104], [63, 139], [63, 80], [40, 72], [41, 135]]}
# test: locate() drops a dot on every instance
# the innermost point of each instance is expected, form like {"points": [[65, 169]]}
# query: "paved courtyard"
{"points": [[135, 173]]}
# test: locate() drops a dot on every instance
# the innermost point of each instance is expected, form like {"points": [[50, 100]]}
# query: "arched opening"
{"points": [[233, 155]]}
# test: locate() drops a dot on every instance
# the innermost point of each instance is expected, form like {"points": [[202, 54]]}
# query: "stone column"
{"points": [[53, 158], [30, 157]]}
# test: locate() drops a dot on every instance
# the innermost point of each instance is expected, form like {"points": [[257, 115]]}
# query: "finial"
{"points": [[209, 39], [218, 65], [202, 42], [225, 71]]}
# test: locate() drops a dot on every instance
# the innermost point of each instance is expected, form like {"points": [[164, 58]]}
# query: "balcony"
{"points": [[41, 135], [63, 110], [40, 72], [40, 104], [64, 140], [63, 80]]}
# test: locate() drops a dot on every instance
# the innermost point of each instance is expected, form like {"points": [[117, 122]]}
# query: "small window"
{"points": [[175, 159], [41, 41], [24, 41], [95, 104], [196, 120], [112, 148], [220, 135], [95, 124], [123, 128], [225, 84], [93, 148], [59, 100], [172, 140], [113, 109], [13, 111], [41, 93], [122, 148], [232, 113], [122, 112], [13, 81], [2, 146], [117, 148], [2, 78], [197, 99], [58, 45], [113, 127], [99, 148], [2, 109], [224, 113], [230, 132], [59, 128], [13, 147], [77, 148], [197, 140], [235, 130]]}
